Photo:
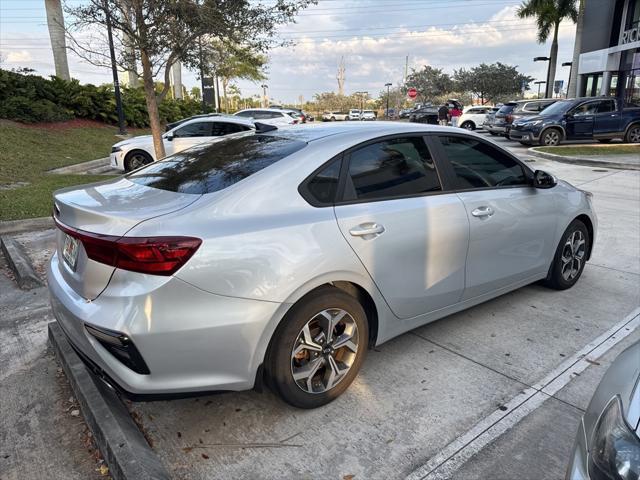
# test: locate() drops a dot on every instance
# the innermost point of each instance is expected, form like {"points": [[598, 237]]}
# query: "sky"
{"points": [[374, 37]]}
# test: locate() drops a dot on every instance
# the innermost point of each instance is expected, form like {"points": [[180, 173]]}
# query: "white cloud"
{"points": [[17, 56]]}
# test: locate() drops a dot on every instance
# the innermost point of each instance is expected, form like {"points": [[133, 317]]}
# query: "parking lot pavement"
{"points": [[421, 391], [41, 437]]}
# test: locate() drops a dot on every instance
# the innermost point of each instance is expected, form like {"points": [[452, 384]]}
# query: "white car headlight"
{"points": [[615, 448], [116, 149]]}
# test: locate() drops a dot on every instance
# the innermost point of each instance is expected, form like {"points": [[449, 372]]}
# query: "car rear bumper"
{"points": [[499, 129], [191, 340]]}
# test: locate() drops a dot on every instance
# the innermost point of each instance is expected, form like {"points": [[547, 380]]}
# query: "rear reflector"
{"points": [[152, 255]]}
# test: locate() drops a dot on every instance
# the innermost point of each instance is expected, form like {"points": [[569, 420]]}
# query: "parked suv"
{"points": [[498, 124], [474, 117], [334, 116], [354, 114], [597, 118], [528, 108]]}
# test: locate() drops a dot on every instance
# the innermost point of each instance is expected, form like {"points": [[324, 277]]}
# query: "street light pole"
{"points": [[388, 85], [201, 61], [264, 95], [545, 59], [540, 82], [122, 128]]}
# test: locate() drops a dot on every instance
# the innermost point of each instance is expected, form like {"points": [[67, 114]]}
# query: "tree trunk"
{"points": [[553, 55], [577, 46], [225, 81], [55, 22], [152, 105]]}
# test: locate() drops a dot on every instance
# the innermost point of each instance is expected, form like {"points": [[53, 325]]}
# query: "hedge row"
{"points": [[33, 99]]}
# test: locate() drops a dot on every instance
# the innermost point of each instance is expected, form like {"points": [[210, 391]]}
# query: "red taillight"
{"points": [[509, 118], [152, 255]]}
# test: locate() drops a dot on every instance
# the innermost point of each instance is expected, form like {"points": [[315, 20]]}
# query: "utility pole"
{"points": [[122, 129], [406, 69], [340, 77]]}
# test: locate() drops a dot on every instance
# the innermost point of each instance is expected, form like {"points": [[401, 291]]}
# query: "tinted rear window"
{"points": [[507, 108], [215, 166]]}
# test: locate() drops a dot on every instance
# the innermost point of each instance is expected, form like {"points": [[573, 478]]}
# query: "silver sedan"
{"points": [[283, 255]]}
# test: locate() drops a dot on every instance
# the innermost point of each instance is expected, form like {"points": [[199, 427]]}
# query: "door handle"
{"points": [[364, 229], [482, 212]]}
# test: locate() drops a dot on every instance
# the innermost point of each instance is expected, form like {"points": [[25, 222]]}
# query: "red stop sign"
{"points": [[412, 92]]}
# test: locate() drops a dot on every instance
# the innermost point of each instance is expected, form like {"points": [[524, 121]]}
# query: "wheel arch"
{"points": [[584, 218], [563, 132]]}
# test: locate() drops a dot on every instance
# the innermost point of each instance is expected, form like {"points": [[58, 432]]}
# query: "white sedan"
{"points": [[135, 152], [271, 116]]}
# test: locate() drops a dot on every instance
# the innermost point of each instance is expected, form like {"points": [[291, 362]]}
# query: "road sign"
{"points": [[557, 86], [412, 92]]}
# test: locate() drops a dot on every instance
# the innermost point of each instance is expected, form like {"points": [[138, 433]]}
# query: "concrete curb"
{"points": [[80, 167], [19, 226], [20, 264], [581, 160], [127, 453]]}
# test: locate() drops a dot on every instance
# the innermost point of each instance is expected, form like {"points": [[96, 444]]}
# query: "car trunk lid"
{"points": [[106, 211]]}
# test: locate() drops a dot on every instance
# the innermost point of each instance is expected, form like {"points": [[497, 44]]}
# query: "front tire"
{"points": [[571, 255], [136, 159], [551, 137], [468, 125], [318, 348]]}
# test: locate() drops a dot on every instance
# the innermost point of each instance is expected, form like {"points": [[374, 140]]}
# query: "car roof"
{"points": [[318, 131], [278, 110]]}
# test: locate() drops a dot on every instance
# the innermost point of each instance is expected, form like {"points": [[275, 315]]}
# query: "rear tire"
{"points": [[633, 134], [571, 255], [136, 159], [303, 346]]}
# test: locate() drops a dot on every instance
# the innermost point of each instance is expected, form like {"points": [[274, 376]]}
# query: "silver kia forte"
{"points": [[282, 255]]}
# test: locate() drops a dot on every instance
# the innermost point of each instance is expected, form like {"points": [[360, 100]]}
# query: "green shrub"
{"points": [[32, 99]]}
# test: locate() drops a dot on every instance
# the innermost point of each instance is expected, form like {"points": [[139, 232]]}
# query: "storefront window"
{"points": [[632, 91]]}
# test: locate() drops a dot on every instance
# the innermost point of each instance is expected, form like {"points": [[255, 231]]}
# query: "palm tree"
{"points": [[549, 14]]}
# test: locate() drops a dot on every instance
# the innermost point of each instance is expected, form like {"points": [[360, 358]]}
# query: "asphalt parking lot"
{"points": [[413, 409], [460, 398]]}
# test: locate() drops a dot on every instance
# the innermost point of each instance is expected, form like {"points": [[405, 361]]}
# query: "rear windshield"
{"points": [[215, 166], [507, 108]]}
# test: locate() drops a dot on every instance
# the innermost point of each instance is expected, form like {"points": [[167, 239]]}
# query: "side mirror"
{"points": [[542, 179], [168, 137]]}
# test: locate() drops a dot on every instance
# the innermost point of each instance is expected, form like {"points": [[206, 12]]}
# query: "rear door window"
{"points": [[607, 106], [212, 167], [225, 128], [479, 165], [397, 167], [197, 129]]}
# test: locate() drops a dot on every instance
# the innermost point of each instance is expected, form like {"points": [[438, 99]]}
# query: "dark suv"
{"points": [[510, 111], [592, 118]]}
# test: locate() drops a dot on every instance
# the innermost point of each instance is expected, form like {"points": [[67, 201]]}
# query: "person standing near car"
{"points": [[455, 113], [443, 115]]}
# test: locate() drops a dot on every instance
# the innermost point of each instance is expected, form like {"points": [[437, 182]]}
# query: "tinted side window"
{"points": [[247, 114], [392, 168], [586, 109], [324, 185], [198, 129], [479, 165], [606, 106], [224, 128]]}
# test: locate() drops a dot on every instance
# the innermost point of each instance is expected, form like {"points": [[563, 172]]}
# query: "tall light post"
{"points": [[388, 85], [265, 99], [570, 65], [540, 82], [545, 59]]}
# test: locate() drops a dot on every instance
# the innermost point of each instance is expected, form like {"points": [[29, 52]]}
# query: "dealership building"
{"points": [[610, 51]]}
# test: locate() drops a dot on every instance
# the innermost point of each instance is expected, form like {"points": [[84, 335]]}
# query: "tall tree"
{"points": [[549, 14], [231, 61], [55, 22], [491, 83], [163, 32], [432, 84]]}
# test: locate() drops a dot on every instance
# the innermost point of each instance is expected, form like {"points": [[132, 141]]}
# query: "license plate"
{"points": [[70, 251]]}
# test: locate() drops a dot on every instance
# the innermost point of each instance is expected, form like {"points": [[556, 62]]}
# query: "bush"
{"points": [[32, 99]]}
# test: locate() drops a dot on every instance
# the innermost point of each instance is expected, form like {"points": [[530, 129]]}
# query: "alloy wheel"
{"points": [[634, 135], [551, 138], [137, 160], [324, 350], [573, 254]]}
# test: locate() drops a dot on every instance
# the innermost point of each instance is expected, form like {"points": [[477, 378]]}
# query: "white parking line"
{"points": [[456, 453]]}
